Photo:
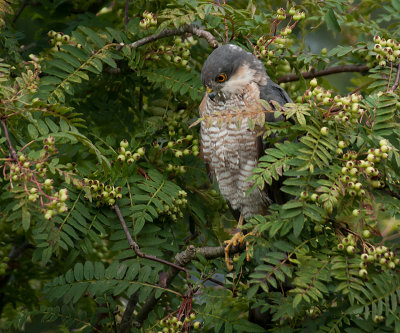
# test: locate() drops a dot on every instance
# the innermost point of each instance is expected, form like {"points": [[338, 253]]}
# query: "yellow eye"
{"points": [[221, 78]]}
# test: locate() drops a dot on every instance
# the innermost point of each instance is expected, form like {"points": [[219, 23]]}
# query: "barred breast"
{"points": [[229, 146]]}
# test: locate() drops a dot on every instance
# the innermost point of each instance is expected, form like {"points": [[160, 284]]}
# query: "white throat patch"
{"points": [[237, 82]]}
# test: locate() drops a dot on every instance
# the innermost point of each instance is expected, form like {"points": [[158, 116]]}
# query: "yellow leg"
{"points": [[237, 238]]}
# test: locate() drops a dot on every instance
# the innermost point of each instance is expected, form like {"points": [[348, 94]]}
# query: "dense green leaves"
{"points": [[322, 260]]}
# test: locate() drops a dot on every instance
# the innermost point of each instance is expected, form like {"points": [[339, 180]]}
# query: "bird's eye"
{"points": [[221, 78]]}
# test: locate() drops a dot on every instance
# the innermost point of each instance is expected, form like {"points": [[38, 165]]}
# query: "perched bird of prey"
{"points": [[235, 81]]}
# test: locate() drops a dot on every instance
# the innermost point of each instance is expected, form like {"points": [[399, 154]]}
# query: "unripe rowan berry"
{"points": [[124, 143], [313, 82], [304, 195], [363, 273], [350, 249], [324, 131], [143, 23]]}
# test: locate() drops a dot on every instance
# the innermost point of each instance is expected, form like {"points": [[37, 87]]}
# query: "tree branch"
{"points": [[178, 31], [126, 318], [20, 10], [13, 153], [396, 81], [182, 259], [135, 247], [126, 14], [327, 71]]}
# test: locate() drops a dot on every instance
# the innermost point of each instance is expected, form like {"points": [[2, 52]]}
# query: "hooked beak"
{"points": [[210, 92]]}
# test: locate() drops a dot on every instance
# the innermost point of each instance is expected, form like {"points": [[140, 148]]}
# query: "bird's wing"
{"points": [[273, 92]]}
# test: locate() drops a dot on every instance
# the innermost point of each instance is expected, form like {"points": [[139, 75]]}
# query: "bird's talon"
{"points": [[235, 240]]}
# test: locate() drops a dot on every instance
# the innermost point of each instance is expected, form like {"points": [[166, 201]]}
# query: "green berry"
{"points": [[313, 82], [324, 131], [304, 195], [351, 249], [363, 273], [366, 234], [124, 143]]}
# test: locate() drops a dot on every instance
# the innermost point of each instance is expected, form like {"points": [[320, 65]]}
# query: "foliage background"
{"points": [[76, 270]]}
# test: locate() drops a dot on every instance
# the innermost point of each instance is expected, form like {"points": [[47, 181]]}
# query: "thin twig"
{"points": [[396, 81], [182, 259], [126, 15], [130, 307], [178, 31], [20, 10], [135, 247], [327, 71], [390, 76], [13, 153]]}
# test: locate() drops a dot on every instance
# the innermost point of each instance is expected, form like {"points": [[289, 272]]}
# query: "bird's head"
{"points": [[229, 69]]}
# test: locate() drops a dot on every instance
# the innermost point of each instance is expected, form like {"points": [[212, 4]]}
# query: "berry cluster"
{"points": [[182, 147], [103, 194], [57, 39], [386, 50], [125, 155], [179, 148], [178, 53], [175, 210], [349, 110], [381, 257], [56, 205], [174, 325], [176, 123], [354, 169], [149, 20], [271, 47], [348, 244], [30, 175], [296, 15]]}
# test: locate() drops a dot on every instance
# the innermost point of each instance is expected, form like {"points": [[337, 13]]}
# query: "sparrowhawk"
{"points": [[235, 81]]}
